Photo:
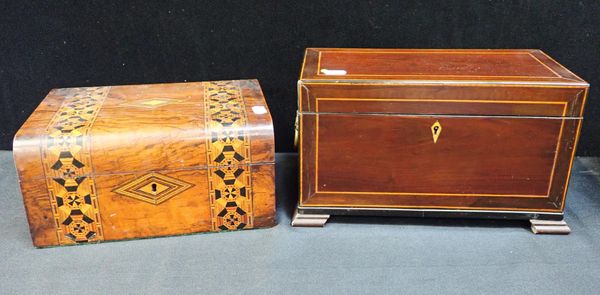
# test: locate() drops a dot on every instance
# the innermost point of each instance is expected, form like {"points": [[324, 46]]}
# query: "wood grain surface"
{"points": [[508, 123], [154, 138], [525, 65]]}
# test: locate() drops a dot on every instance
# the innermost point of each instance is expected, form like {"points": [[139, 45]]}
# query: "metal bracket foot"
{"points": [[549, 227], [309, 220]]}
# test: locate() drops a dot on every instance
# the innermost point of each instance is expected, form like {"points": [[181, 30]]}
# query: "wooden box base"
{"points": [[541, 223]]}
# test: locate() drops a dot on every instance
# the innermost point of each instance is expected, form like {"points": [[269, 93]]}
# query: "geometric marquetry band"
{"points": [[228, 155], [67, 165]]}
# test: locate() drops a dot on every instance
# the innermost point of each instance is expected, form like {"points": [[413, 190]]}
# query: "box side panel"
{"points": [[555, 66], [309, 64], [307, 156], [259, 126], [564, 161], [67, 165], [28, 139], [262, 154], [36, 198], [27, 153], [42, 224], [263, 194], [240, 134], [442, 99]]}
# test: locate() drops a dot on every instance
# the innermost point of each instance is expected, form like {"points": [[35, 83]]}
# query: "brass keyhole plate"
{"points": [[436, 130]]}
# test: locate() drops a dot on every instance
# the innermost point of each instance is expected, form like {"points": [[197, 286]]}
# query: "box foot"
{"points": [[309, 220], [549, 227]]}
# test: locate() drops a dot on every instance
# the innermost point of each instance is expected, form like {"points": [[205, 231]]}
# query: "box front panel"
{"points": [[153, 204], [150, 204], [488, 163]]}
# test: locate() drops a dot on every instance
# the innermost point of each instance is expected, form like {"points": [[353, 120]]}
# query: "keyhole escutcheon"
{"points": [[436, 130]]}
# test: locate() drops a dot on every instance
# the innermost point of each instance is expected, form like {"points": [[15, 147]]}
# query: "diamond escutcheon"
{"points": [[153, 188]]}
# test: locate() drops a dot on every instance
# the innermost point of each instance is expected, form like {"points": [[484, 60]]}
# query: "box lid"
{"points": [[139, 128], [515, 82], [522, 66]]}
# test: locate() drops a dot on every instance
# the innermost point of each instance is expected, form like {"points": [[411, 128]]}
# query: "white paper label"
{"points": [[259, 110], [333, 72]]}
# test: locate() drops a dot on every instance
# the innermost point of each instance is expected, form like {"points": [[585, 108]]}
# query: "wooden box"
{"points": [[463, 133], [122, 162]]}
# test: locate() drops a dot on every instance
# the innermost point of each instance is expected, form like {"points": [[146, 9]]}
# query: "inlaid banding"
{"points": [[67, 165], [228, 156]]}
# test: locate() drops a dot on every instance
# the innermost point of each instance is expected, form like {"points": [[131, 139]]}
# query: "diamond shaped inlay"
{"points": [[152, 102], [153, 188]]}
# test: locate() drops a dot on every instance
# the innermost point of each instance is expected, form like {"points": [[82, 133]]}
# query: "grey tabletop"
{"points": [[349, 255]]}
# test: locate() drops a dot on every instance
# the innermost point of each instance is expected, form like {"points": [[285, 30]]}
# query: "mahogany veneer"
{"points": [[468, 133]]}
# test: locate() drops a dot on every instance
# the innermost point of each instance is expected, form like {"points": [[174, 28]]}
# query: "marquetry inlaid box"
{"points": [[122, 162], [452, 133]]}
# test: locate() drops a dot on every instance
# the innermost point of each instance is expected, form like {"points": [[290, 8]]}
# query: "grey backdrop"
{"points": [[350, 255]]}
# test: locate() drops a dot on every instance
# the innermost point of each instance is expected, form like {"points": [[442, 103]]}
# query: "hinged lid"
{"points": [[139, 128], [521, 82]]}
